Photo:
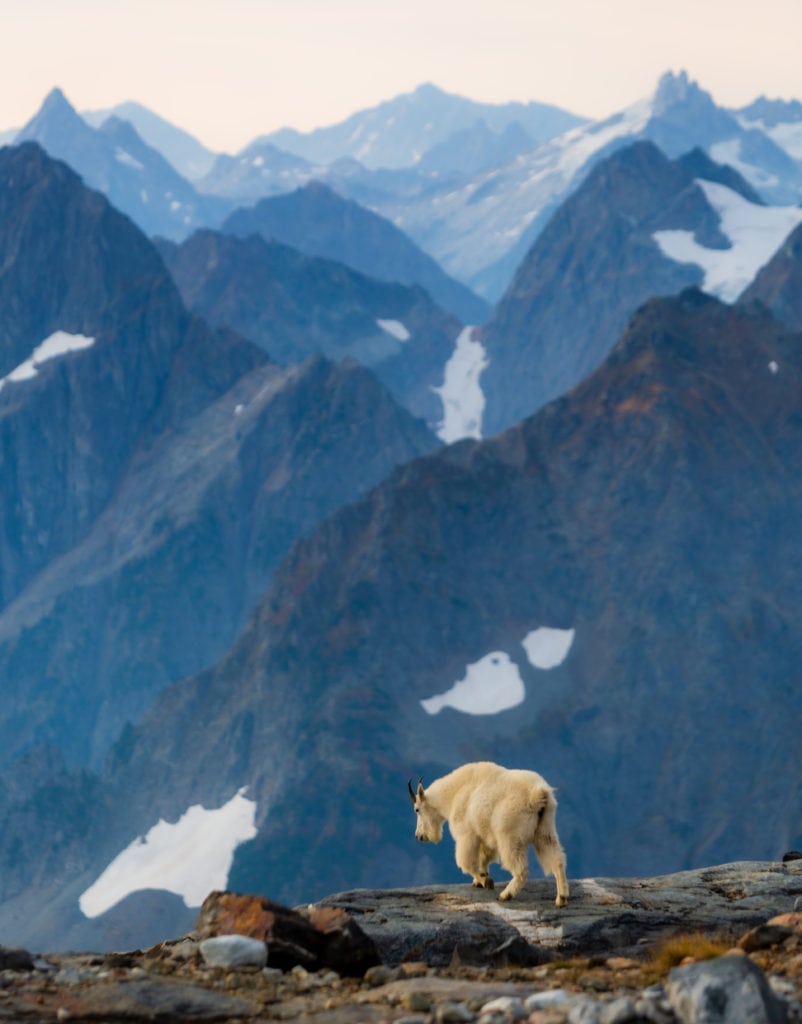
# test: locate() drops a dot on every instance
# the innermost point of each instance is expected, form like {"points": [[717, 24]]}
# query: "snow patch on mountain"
{"points": [[755, 234], [787, 135], [57, 344], [547, 647], [395, 328], [494, 683], [461, 393], [729, 152], [491, 685], [576, 147], [190, 858]]}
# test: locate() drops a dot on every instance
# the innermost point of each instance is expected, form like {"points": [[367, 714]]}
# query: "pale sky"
{"points": [[229, 70]]}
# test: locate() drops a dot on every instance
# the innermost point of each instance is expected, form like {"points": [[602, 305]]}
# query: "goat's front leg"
{"points": [[469, 860]]}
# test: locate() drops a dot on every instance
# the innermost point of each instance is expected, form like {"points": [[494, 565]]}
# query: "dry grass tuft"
{"points": [[673, 950]]}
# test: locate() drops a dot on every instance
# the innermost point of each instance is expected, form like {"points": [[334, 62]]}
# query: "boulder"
{"points": [[326, 937], [728, 990]]}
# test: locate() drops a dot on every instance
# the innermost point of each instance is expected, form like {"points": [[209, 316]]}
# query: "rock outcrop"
{"points": [[624, 951]]}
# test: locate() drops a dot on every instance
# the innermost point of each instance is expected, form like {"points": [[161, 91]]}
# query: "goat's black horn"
{"points": [[411, 790]]}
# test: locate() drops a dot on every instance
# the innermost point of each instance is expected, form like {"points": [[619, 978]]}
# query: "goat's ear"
{"points": [[420, 790]]}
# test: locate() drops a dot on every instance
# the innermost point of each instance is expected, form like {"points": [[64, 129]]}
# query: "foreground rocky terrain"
{"points": [[719, 944]]}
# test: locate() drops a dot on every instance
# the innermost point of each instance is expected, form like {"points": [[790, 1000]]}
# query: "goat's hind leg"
{"points": [[552, 859], [514, 858]]}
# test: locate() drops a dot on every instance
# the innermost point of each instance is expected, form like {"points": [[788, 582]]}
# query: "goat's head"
{"points": [[429, 825]]}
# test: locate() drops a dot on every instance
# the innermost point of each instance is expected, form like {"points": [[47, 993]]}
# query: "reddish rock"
{"points": [[329, 937]]}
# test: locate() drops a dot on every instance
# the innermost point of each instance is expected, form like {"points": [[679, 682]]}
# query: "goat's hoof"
{"points": [[505, 896], [561, 901]]}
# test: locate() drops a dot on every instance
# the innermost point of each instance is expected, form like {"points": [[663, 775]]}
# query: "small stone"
{"points": [[379, 975], [583, 1010], [452, 1013], [654, 1011], [511, 1007], [416, 1001], [68, 976], [621, 963], [233, 951], [764, 937], [792, 921], [619, 1011], [542, 1000], [12, 959]]}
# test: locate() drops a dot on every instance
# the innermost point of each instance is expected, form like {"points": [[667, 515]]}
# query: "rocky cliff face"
{"points": [[153, 477], [593, 594], [294, 305], [317, 221], [778, 285]]}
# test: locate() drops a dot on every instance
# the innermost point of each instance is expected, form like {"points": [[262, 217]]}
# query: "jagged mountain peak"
{"points": [[672, 88], [55, 117]]}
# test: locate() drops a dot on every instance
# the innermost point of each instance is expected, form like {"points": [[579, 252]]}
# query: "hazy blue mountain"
{"points": [[113, 159], [259, 170], [479, 229], [187, 155], [317, 221], [293, 306], [398, 132]]}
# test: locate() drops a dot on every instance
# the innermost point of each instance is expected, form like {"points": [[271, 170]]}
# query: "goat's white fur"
{"points": [[494, 815]]}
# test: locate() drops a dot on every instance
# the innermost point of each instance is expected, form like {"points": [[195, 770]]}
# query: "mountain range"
{"points": [[293, 306], [639, 225], [476, 215], [246, 592], [601, 585], [154, 471]]}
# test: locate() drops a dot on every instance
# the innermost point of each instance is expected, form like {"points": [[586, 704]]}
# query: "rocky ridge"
{"points": [[722, 943]]}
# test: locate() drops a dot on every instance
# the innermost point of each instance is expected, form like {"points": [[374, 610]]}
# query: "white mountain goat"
{"points": [[494, 814]]}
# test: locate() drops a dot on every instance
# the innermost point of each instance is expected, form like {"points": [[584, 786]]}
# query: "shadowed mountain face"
{"points": [[648, 520], [318, 222], [152, 471], [293, 306], [778, 285], [593, 265]]}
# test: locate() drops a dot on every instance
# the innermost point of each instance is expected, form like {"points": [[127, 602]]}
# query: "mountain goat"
{"points": [[494, 814]]}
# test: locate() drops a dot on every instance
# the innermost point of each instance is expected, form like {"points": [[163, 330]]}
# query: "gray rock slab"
{"points": [[155, 999], [603, 916]]}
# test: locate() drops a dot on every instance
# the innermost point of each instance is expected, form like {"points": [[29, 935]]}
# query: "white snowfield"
{"points": [[493, 684], [461, 394], [755, 234], [58, 344], [190, 858]]}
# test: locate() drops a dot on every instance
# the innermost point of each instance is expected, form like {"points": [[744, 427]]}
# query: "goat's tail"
{"points": [[547, 845]]}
